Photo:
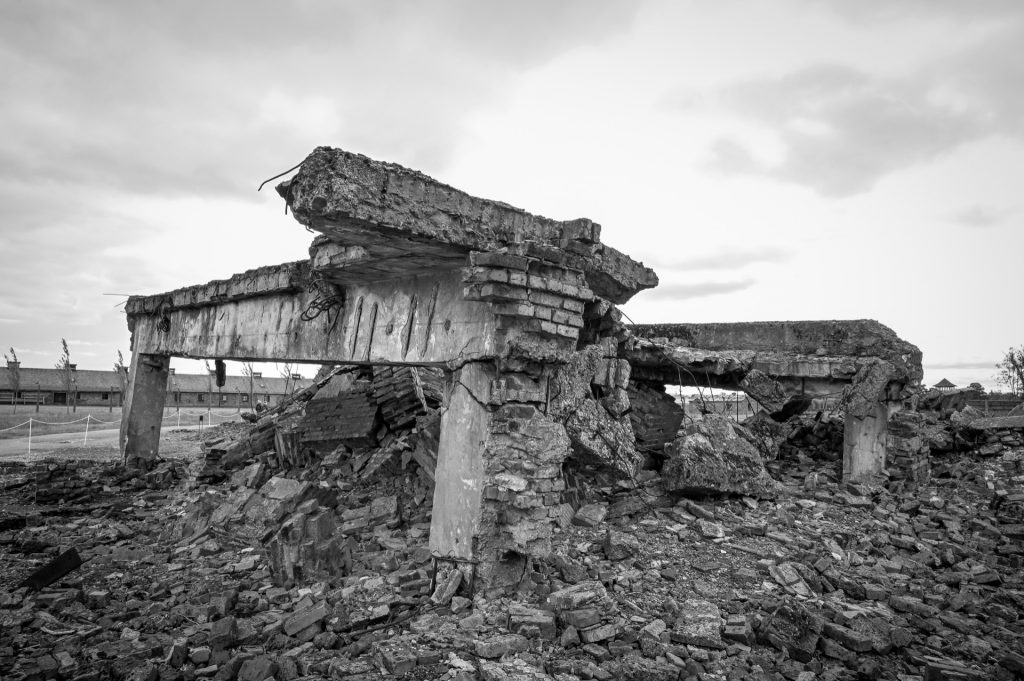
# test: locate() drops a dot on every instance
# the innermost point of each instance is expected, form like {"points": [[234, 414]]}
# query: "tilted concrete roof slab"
{"points": [[392, 221]]}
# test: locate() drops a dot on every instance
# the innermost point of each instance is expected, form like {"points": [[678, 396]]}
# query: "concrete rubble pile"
{"points": [[314, 573], [493, 480]]}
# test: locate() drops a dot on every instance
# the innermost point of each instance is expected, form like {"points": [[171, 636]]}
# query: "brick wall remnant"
{"points": [[655, 415], [908, 456]]}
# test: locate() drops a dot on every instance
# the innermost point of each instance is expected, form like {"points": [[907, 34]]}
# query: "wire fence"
{"points": [[191, 419]]}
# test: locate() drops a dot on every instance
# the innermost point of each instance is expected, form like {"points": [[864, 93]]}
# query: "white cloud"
{"points": [[843, 130]]}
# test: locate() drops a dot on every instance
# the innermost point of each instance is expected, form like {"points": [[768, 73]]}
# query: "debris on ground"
{"points": [[317, 564]]}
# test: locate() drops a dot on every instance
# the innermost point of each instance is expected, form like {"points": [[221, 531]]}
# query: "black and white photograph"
{"points": [[480, 340]]}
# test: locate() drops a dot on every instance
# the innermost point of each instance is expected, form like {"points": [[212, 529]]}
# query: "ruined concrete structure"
{"points": [[783, 365], [519, 312]]}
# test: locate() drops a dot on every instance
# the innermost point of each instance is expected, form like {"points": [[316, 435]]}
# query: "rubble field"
{"points": [[271, 551]]}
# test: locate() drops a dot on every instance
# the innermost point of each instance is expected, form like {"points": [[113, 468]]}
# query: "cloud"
{"points": [[978, 216], [188, 98], [842, 130], [699, 290], [878, 11], [730, 259]]}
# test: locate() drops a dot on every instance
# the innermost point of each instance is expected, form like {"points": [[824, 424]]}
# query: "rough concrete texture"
{"points": [[824, 338], [765, 390], [357, 201], [588, 394], [711, 457], [143, 406], [655, 416], [816, 357], [864, 440]]}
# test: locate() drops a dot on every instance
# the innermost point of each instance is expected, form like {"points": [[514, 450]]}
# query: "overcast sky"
{"points": [[784, 159]]}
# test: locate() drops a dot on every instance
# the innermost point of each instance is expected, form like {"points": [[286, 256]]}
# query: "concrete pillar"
{"points": [[864, 443], [459, 476], [143, 410]]}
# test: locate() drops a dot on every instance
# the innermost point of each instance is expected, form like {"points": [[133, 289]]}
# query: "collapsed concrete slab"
{"points": [[517, 312], [781, 365], [410, 272]]}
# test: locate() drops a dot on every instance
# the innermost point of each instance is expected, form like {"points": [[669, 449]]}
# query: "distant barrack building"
{"points": [[89, 387]]}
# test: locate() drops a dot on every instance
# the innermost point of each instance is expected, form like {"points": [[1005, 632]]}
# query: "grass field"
{"points": [[56, 419]]}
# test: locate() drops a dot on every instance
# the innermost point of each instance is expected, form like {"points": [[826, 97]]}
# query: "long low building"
{"points": [[90, 387]]}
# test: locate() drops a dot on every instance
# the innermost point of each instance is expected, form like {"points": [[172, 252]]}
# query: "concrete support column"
{"points": [[864, 440], [143, 410], [459, 476]]}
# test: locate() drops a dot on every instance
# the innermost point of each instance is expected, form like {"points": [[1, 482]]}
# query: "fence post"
{"points": [[88, 417], [30, 435]]}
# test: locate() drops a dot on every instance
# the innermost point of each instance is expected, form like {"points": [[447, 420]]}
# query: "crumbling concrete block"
{"points": [[712, 458]]}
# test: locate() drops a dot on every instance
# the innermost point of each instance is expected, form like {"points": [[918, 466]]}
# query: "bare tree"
{"points": [[286, 374], [1011, 370], [122, 375], [14, 369], [247, 371], [66, 375]]}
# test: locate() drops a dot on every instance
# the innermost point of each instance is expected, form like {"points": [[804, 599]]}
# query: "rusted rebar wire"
{"points": [[270, 179]]}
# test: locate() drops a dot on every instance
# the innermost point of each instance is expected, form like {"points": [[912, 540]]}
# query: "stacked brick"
{"points": [[59, 481], [79, 482], [587, 611], [352, 418], [532, 292], [994, 436], [522, 495], [227, 453], [908, 456], [403, 393]]}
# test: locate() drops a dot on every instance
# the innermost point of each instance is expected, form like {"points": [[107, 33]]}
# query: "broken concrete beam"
{"points": [[64, 564], [349, 327], [288, 278], [808, 357], [143, 409], [864, 443], [398, 214], [822, 338], [459, 475]]}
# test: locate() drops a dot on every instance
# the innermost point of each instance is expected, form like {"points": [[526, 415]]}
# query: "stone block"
{"points": [[849, 638], [590, 515], [577, 596], [531, 622], [699, 624], [619, 545], [498, 646], [257, 669], [223, 633], [581, 618], [305, 618], [600, 632]]}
